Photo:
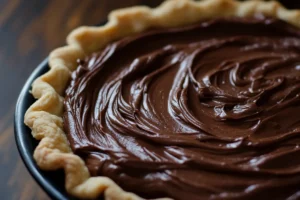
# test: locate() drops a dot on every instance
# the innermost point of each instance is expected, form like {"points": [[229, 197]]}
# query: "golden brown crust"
{"points": [[44, 117]]}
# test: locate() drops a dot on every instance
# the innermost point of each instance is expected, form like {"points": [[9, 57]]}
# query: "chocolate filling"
{"points": [[210, 110]]}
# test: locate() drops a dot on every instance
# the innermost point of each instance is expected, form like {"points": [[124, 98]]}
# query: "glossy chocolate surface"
{"points": [[208, 111]]}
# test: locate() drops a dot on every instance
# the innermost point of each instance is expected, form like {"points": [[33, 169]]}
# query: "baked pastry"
{"points": [[190, 100]]}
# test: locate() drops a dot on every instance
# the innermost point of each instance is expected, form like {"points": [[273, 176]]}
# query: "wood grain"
{"points": [[29, 30]]}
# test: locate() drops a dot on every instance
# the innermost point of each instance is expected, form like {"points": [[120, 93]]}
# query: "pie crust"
{"points": [[44, 117]]}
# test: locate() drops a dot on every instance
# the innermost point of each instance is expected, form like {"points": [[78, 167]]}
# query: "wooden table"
{"points": [[29, 30]]}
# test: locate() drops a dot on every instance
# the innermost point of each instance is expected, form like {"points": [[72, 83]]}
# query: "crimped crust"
{"points": [[44, 117]]}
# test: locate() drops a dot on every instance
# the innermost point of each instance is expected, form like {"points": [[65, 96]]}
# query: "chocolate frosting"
{"points": [[208, 111]]}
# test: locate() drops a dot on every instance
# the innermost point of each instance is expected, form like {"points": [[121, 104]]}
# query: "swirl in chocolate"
{"points": [[208, 111]]}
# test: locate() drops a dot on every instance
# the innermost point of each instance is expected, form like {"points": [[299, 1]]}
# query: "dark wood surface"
{"points": [[29, 30]]}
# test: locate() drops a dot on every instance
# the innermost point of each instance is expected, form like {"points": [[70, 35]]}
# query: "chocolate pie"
{"points": [[190, 100]]}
